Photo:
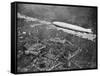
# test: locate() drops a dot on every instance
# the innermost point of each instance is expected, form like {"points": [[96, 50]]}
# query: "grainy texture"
{"points": [[43, 46]]}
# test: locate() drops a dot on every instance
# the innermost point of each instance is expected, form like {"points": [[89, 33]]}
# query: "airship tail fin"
{"points": [[89, 30]]}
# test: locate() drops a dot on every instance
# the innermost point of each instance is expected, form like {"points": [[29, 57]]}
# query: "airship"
{"points": [[71, 26]]}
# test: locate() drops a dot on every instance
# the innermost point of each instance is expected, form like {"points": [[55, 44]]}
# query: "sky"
{"points": [[82, 16]]}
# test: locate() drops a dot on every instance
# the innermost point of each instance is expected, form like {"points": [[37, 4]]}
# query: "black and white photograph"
{"points": [[54, 37]]}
